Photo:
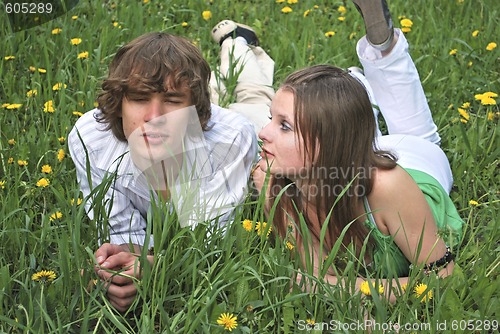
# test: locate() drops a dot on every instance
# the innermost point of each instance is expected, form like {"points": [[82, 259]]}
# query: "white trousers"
{"points": [[392, 82], [254, 88], [398, 92]]}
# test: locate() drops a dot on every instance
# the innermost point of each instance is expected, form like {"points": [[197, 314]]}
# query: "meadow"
{"points": [[50, 75]]}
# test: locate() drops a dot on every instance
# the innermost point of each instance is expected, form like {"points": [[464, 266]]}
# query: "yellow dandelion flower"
{"points": [[491, 46], [9, 57], [365, 288], [289, 245], [2, 184], [406, 29], [407, 23], [490, 116], [419, 291], [60, 155], [74, 17], [61, 140], [466, 105], [83, 55], [207, 15], [475, 33], [42, 70], [10, 161], [78, 201], [330, 33], [48, 106], [490, 94], [32, 68], [247, 225], [184, 24], [261, 227], [145, 1], [286, 10], [14, 106], [44, 276], [32, 92], [228, 321], [46, 169], [486, 98], [55, 215], [43, 182], [469, 64], [473, 203], [76, 41], [315, 6], [77, 113], [11, 141], [453, 52], [342, 10], [307, 12], [22, 163], [310, 321], [463, 113], [59, 86], [56, 31], [291, 2], [341, 18], [115, 24], [463, 120], [280, 1]]}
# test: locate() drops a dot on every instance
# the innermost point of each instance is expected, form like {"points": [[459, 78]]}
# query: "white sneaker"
{"points": [[228, 28]]}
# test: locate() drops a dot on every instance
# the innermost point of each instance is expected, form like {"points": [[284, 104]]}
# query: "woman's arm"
{"points": [[401, 211]]}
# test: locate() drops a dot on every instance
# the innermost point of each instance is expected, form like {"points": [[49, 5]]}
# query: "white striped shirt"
{"points": [[230, 147]]}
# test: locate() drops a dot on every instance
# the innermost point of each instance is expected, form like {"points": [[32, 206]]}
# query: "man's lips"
{"points": [[154, 138]]}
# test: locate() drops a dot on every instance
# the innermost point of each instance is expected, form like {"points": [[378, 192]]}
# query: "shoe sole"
{"points": [[378, 22]]}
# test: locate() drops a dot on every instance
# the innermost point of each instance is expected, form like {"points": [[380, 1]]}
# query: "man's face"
{"points": [[155, 124]]}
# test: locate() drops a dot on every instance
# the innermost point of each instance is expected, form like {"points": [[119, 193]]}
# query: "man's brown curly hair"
{"points": [[154, 63]]}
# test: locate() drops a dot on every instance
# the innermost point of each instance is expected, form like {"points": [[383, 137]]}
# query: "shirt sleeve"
{"points": [[111, 206]]}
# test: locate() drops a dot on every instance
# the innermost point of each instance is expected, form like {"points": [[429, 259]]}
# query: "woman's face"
{"points": [[283, 146]]}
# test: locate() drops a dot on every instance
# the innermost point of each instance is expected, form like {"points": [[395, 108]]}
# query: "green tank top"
{"points": [[387, 257]]}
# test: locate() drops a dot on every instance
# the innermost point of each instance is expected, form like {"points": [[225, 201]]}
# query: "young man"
{"points": [[156, 136]]}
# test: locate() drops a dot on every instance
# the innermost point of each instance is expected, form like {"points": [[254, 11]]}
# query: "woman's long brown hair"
{"points": [[334, 118]]}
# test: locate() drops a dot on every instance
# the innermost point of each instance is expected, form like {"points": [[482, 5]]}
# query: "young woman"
{"points": [[388, 194]]}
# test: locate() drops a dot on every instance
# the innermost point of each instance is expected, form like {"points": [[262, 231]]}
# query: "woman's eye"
{"points": [[285, 127]]}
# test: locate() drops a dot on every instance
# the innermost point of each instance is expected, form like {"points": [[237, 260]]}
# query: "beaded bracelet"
{"points": [[441, 263]]}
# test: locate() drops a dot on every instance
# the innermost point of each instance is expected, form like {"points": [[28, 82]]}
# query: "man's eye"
{"points": [[138, 98], [169, 101]]}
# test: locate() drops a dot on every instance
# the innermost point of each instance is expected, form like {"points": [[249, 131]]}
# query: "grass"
{"points": [[196, 278]]}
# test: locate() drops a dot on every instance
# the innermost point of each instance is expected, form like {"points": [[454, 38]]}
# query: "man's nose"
{"points": [[154, 112]]}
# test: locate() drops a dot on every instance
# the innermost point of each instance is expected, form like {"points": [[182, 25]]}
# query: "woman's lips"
{"points": [[266, 154]]}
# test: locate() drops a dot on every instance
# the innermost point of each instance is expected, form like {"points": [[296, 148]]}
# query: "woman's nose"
{"points": [[264, 134]]}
